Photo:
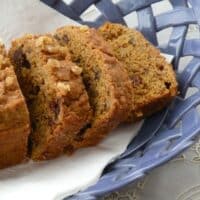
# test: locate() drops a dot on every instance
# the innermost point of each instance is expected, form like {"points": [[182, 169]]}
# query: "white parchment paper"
{"points": [[66, 175]]}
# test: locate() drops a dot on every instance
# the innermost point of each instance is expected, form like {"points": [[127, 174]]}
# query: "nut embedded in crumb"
{"points": [[132, 41], [39, 41], [51, 49], [76, 70], [63, 86], [10, 83], [139, 114], [53, 63], [84, 28], [43, 40]]}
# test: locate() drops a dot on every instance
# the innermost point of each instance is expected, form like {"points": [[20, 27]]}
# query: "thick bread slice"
{"points": [[55, 94], [106, 81], [14, 116], [153, 79]]}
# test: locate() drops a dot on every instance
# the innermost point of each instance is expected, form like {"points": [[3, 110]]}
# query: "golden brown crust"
{"points": [[55, 94], [153, 79], [14, 116], [107, 82], [13, 144]]}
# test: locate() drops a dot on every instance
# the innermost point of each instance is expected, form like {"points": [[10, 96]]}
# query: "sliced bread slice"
{"points": [[106, 81], [153, 79], [55, 94]]}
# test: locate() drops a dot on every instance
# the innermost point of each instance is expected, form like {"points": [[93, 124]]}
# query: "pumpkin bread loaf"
{"points": [[14, 116], [106, 80], [55, 94], [153, 79]]}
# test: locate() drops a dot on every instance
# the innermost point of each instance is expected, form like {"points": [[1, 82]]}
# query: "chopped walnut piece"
{"points": [[10, 83], [64, 86], [53, 62], [76, 70]]}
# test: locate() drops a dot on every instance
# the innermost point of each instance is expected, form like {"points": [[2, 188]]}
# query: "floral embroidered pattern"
{"points": [[191, 194], [196, 149], [132, 193]]}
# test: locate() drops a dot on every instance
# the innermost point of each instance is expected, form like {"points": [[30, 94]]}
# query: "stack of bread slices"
{"points": [[63, 91]]}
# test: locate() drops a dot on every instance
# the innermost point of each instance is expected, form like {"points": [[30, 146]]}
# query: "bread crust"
{"points": [[14, 116]]}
